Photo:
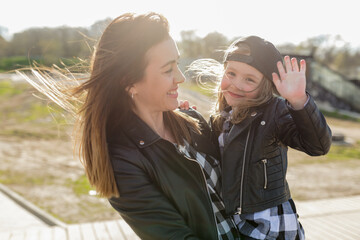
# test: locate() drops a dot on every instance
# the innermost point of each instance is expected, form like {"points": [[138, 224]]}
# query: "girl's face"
{"points": [[240, 82], [157, 91]]}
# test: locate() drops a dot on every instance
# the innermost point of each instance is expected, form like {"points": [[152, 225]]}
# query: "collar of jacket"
{"points": [[140, 133], [143, 136], [237, 129], [255, 113]]}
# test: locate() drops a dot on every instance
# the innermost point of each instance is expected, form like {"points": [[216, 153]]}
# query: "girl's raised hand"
{"points": [[292, 81]]}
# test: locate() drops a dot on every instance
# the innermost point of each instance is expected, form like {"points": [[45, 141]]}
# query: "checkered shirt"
{"points": [[279, 222], [211, 168]]}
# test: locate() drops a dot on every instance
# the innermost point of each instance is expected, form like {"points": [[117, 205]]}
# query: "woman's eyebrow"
{"points": [[170, 62]]}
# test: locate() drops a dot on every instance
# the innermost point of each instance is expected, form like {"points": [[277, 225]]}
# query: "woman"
{"points": [[154, 164]]}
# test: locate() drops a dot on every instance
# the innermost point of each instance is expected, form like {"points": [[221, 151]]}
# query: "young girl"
{"points": [[254, 127]]}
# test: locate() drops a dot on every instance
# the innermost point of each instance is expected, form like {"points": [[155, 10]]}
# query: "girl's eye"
{"points": [[250, 80], [232, 74]]}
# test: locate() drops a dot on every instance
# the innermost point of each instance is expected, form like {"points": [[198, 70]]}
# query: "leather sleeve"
{"points": [[143, 206], [305, 130], [203, 123], [208, 143]]}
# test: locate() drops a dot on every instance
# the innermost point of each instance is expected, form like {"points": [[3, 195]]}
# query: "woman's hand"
{"points": [[292, 82]]}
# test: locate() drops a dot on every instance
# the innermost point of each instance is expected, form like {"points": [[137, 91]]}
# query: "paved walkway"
{"points": [[14, 217], [329, 219]]}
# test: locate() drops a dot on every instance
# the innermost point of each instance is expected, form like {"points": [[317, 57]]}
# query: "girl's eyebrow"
{"points": [[248, 74]]}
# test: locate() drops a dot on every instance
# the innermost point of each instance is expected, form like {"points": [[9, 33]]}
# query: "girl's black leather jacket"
{"points": [[254, 161], [163, 195]]}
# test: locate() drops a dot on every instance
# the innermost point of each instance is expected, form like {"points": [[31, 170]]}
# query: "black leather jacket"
{"points": [[254, 162], [163, 195]]}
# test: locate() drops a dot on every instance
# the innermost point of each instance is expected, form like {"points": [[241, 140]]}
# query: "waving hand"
{"points": [[291, 83]]}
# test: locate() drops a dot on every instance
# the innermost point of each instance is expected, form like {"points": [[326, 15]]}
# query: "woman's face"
{"points": [[240, 82], [157, 91]]}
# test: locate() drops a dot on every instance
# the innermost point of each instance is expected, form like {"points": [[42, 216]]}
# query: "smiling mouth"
{"points": [[235, 95], [172, 93]]}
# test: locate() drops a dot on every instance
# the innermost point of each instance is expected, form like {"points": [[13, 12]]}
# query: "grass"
{"points": [[24, 116], [8, 89], [343, 153], [41, 111], [338, 115], [33, 134], [20, 178], [337, 153], [80, 186]]}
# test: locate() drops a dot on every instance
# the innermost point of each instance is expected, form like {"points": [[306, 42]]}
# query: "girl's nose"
{"points": [[238, 83]]}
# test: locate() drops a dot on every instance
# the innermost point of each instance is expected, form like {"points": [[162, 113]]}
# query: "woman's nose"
{"points": [[179, 76]]}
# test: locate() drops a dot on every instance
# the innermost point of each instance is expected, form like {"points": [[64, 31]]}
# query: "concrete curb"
{"points": [[39, 213]]}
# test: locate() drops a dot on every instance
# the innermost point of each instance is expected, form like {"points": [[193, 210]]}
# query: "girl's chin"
{"points": [[233, 102]]}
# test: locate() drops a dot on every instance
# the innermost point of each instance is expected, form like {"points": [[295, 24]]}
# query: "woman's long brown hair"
{"points": [[102, 101]]}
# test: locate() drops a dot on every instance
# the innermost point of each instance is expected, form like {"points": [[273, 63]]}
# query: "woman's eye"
{"points": [[250, 80], [169, 71]]}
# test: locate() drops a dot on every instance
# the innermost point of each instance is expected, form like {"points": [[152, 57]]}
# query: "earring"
{"points": [[132, 95]]}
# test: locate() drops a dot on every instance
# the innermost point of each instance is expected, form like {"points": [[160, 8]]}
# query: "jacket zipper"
{"points": [[207, 190], [265, 174], [242, 172]]}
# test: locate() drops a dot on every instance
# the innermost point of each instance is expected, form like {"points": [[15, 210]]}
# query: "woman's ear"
{"points": [[131, 90]]}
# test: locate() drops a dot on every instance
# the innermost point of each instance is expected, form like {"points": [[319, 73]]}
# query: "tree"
{"points": [[50, 43], [98, 28], [214, 45], [190, 45], [3, 47], [3, 31]]}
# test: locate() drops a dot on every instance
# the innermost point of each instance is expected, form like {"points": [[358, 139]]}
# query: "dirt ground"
{"points": [[46, 173]]}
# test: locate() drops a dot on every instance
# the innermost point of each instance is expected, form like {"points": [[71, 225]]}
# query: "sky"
{"points": [[278, 21]]}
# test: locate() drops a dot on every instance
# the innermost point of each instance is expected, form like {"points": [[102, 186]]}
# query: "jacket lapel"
{"points": [[237, 129], [140, 133]]}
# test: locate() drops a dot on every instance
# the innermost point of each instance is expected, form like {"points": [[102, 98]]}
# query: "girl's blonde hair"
{"points": [[206, 69], [101, 103]]}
